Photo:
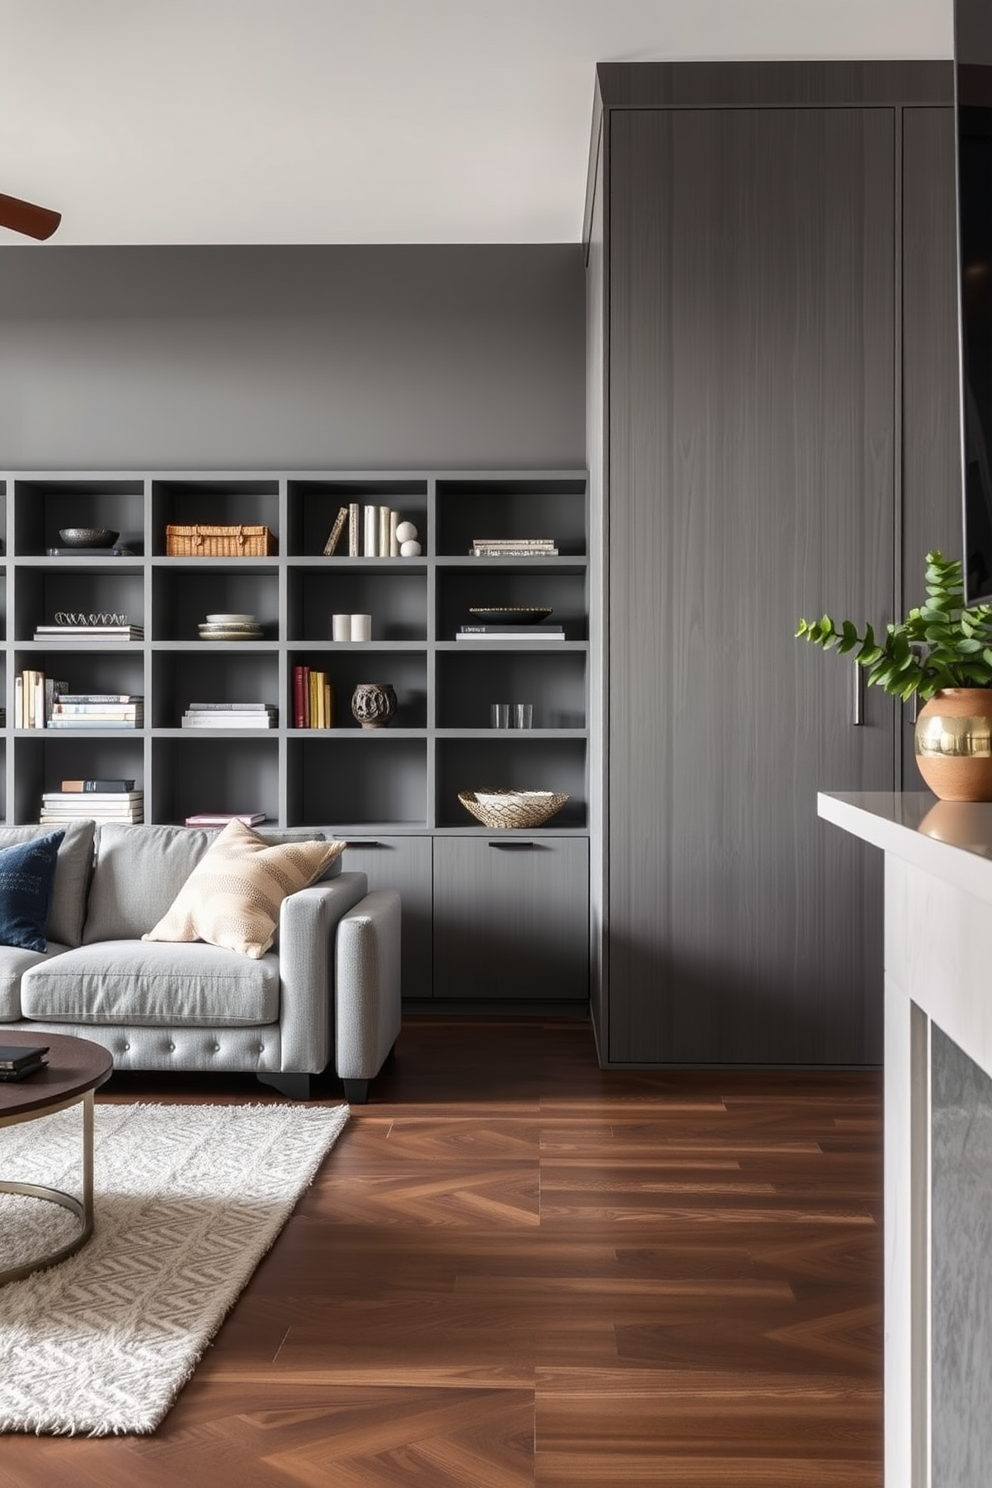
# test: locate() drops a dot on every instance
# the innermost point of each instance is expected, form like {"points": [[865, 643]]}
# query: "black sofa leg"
{"points": [[356, 1092], [294, 1087]]}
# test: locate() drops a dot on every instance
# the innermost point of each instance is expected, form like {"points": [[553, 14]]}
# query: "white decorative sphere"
{"points": [[406, 532], [410, 549]]}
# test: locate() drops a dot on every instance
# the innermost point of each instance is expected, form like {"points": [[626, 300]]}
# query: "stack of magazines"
{"points": [[513, 547], [89, 635], [230, 715], [97, 710], [58, 808]]}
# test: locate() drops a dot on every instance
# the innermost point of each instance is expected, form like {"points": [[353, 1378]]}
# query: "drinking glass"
{"points": [[523, 715], [499, 715]]}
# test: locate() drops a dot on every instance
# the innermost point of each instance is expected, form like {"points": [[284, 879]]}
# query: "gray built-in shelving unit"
{"points": [[477, 917]]}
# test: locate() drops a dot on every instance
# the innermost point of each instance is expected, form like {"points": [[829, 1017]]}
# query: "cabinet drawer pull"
{"points": [[514, 846], [362, 844], [858, 697]]}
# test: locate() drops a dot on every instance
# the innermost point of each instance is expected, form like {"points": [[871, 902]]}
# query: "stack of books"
{"points": [[89, 634], [313, 699], [34, 698], [230, 715], [513, 547], [17, 1061], [113, 805], [97, 710], [509, 631], [221, 818]]}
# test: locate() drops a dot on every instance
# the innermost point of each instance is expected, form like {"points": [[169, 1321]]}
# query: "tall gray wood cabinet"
{"points": [[748, 427]]}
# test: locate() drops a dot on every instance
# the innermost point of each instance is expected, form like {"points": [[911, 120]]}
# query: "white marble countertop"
{"points": [[950, 839]]}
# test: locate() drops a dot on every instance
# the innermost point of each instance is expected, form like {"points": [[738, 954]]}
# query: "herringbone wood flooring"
{"points": [[517, 1269]]}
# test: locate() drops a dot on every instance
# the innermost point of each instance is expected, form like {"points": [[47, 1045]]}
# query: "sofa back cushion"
{"points": [[141, 868], [27, 873], [73, 867], [233, 895]]}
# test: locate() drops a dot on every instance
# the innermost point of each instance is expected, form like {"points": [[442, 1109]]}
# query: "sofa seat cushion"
{"points": [[152, 984], [13, 964]]}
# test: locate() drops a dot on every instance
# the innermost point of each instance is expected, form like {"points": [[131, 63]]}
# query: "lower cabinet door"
{"points": [[511, 919], [405, 864]]}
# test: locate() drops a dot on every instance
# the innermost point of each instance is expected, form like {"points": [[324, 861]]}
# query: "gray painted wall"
{"points": [[297, 356]]}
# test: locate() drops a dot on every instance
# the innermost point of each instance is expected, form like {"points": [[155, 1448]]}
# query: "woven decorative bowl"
{"points": [[512, 808]]}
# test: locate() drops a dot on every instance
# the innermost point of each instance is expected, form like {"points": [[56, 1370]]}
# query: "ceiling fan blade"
{"points": [[25, 217]]}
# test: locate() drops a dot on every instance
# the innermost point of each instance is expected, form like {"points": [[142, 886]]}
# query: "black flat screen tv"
{"points": [[973, 117]]}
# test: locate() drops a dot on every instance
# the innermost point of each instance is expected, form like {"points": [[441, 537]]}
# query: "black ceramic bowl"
{"points": [[509, 615], [88, 537]]}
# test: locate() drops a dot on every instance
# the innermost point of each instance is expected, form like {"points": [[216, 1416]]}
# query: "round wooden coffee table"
{"points": [[76, 1068]]}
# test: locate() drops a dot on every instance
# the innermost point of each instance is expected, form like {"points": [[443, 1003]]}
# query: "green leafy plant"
{"points": [[944, 643]]}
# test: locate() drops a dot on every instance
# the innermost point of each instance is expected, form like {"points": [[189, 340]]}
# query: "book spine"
{"points": [[513, 552], [81, 724], [354, 534], [334, 536], [101, 697], [98, 785], [18, 702], [370, 547], [328, 706], [394, 542], [297, 697], [384, 515]]}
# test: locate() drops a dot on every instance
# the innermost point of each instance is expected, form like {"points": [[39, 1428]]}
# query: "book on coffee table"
{"points": [[24, 1071], [16, 1056]]}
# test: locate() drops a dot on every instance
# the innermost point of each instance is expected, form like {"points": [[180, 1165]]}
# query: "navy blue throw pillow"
{"points": [[27, 872]]}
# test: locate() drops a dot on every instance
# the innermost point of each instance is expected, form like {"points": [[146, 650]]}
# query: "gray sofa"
{"points": [[328, 993]]}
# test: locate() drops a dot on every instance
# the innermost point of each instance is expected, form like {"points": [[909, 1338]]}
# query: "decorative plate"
{"points": [[88, 537], [510, 615], [231, 620]]}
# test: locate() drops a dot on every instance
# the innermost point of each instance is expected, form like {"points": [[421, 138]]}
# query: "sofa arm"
{"points": [[367, 989], [308, 921]]}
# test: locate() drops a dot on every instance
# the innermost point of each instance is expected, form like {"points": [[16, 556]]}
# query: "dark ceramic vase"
{"points": [[373, 704]]}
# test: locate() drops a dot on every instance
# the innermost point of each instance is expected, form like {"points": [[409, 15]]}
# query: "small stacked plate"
{"points": [[230, 628]]}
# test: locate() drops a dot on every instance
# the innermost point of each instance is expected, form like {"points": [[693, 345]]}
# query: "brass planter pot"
{"points": [[954, 744]]}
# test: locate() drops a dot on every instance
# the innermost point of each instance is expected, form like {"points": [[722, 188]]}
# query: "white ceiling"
{"points": [[359, 121]]}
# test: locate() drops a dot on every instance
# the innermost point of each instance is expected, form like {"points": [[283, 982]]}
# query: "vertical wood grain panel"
{"points": [[751, 481], [931, 370], [596, 396]]}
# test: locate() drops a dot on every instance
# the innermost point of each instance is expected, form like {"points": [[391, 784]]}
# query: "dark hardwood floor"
{"points": [[516, 1269]]}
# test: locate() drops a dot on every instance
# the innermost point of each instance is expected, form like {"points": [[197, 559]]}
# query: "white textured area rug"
{"points": [[188, 1199]]}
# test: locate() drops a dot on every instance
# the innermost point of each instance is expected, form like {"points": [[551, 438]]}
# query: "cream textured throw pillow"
{"points": [[233, 895]]}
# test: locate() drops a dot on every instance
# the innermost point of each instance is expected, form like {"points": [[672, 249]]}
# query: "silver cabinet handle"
{"points": [[858, 698]]}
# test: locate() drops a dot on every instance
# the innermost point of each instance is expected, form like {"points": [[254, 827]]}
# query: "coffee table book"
{"points": [[24, 1071], [15, 1056]]}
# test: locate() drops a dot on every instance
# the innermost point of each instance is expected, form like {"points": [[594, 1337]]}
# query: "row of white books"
{"points": [[369, 531], [34, 696]]}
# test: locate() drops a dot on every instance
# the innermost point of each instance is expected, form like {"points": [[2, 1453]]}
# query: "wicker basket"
{"points": [[219, 542], [512, 808]]}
